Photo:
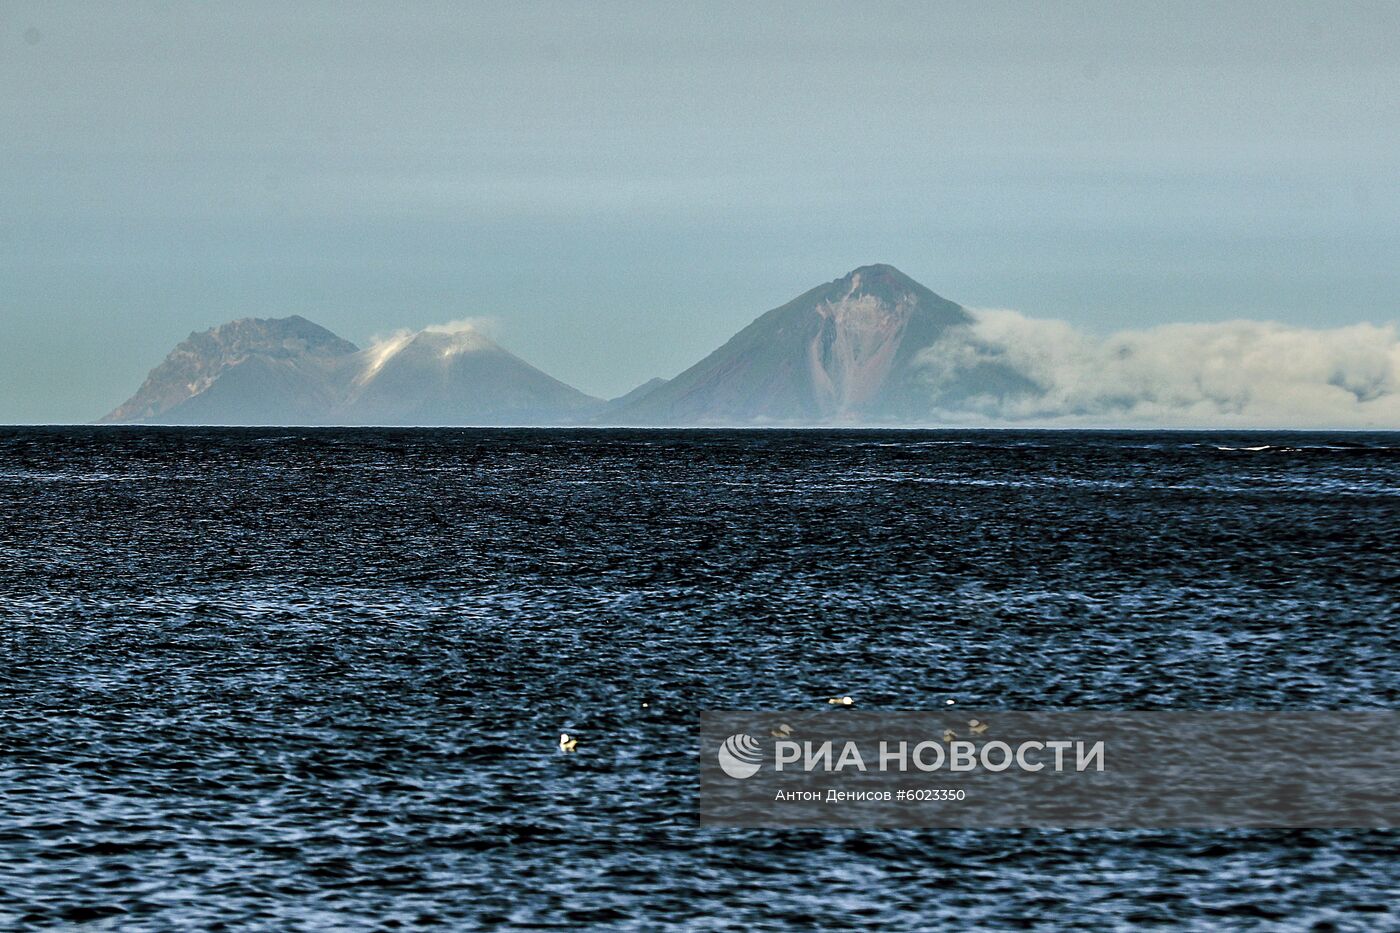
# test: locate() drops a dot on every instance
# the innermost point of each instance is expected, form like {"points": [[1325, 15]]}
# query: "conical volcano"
{"points": [[843, 352], [455, 376]]}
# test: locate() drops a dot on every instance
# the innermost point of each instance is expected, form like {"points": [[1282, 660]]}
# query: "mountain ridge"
{"points": [[269, 371], [849, 351]]}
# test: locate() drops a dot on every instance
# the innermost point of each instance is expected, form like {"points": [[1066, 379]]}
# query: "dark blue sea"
{"points": [[315, 679]]}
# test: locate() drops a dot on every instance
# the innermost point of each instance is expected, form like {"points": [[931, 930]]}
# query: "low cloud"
{"points": [[1230, 374], [469, 331], [478, 325]]}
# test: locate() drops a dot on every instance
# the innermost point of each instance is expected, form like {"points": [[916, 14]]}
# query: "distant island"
{"points": [[872, 348], [843, 353]]}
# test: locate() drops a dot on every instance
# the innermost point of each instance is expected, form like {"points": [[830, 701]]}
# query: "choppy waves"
{"points": [[316, 679]]}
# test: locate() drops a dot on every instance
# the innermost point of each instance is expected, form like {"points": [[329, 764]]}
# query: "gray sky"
{"points": [[622, 186]]}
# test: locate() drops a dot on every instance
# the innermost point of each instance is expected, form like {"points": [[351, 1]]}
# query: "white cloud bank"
{"points": [[1231, 374]]}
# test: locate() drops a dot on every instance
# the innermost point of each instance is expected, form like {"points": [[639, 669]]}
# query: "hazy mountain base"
{"points": [[847, 352]]}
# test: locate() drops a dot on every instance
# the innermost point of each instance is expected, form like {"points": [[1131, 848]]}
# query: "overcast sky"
{"points": [[620, 187]]}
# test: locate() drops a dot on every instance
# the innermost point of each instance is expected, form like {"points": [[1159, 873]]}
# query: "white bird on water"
{"points": [[841, 701], [567, 743]]}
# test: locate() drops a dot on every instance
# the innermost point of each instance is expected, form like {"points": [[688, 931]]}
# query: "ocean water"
{"points": [[302, 679]]}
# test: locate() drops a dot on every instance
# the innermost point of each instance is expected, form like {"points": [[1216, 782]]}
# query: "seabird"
{"points": [[977, 726], [841, 701], [567, 743]]}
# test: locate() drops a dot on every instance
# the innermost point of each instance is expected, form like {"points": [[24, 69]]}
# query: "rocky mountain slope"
{"points": [[843, 353]]}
